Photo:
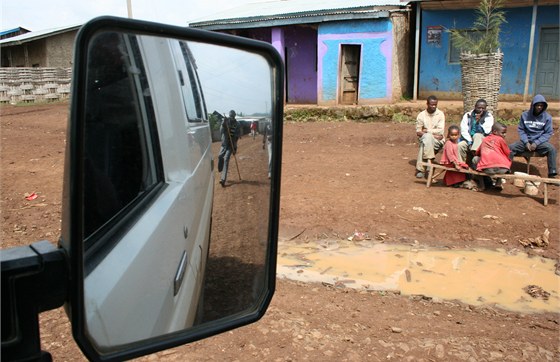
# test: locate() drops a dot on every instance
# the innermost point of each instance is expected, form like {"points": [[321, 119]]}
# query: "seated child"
{"points": [[450, 158], [492, 157]]}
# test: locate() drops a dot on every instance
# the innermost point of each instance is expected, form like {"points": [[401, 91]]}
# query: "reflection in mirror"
{"points": [[239, 81], [167, 245]]}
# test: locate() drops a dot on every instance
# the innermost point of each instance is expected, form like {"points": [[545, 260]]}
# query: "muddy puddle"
{"points": [[515, 282]]}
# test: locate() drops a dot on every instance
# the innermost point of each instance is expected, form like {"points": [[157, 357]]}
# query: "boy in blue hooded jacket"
{"points": [[535, 130]]}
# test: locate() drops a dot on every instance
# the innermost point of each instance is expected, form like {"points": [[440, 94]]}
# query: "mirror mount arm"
{"points": [[34, 280]]}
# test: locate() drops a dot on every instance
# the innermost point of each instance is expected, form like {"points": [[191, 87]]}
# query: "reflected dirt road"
{"points": [[474, 276], [235, 267]]}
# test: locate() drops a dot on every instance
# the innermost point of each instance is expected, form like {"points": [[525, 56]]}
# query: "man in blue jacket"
{"points": [[535, 130]]}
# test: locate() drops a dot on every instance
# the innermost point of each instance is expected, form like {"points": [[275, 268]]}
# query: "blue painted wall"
{"points": [[376, 40], [437, 74]]}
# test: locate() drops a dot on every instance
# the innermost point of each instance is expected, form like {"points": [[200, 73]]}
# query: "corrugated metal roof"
{"points": [[14, 30], [34, 35], [284, 9]]}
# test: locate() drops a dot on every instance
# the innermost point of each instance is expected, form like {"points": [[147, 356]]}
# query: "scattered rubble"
{"points": [[30, 196], [435, 215], [540, 241], [381, 237], [470, 185], [536, 292], [359, 236]]}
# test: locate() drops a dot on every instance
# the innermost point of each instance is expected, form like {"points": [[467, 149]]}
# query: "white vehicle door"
{"points": [[200, 160], [149, 187]]}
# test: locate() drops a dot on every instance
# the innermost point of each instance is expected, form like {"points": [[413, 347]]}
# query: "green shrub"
{"points": [[483, 37]]}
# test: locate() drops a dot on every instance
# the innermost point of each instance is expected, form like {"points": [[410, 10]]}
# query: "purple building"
{"points": [[336, 52]]}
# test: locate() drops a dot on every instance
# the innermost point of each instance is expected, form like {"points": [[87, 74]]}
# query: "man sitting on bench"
{"points": [[430, 125], [535, 130], [475, 125]]}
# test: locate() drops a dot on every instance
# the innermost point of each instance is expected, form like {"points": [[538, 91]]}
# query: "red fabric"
{"points": [[449, 158], [452, 177], [493, 152]]}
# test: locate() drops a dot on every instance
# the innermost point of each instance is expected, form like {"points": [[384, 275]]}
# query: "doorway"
{"points": [[548, 64], [349, 74]]}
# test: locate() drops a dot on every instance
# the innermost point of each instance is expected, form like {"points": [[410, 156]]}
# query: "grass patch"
{"points": [[508, 122], [402, 118]]}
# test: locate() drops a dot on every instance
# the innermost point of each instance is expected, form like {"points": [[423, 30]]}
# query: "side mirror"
{"points": [[162, 253]]}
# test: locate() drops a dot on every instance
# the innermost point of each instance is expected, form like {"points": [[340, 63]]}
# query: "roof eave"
{"points": [[290, 19], [38, 37]]}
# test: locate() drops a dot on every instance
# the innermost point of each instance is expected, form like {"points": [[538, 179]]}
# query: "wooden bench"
{"points": [[527, 156], [545, 181]]}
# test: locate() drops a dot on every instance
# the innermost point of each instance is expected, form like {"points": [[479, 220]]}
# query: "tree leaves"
{"points": [[483, 37]]}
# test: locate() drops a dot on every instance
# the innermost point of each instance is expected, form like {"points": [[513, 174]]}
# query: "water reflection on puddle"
{"points": [[474, 276]]}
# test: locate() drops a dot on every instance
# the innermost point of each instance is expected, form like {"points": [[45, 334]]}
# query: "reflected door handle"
{"points": [[180, 273], [186, 232]]}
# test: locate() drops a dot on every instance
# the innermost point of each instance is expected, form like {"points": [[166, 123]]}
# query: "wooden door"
{"points": [[349, 74], [548, 64]]}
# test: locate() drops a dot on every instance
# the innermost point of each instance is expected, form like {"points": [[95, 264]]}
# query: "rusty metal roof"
{"points": [[282, 12]]}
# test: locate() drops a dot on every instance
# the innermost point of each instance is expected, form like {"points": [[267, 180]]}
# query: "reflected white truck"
{"points": [[126, 298]]}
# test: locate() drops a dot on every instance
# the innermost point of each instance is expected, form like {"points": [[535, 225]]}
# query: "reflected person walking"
{"points": [[230, 132]]}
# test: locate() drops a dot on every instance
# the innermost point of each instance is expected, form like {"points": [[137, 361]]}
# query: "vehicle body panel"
{"points": [[124, 283]]}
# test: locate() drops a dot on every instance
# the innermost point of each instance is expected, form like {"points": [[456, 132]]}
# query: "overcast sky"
{"points": [[235, 80], [255, 96], [46, 14]]}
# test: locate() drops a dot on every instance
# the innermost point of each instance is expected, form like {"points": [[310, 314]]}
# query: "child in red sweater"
{"points": [[493, 154], [450, 158]]}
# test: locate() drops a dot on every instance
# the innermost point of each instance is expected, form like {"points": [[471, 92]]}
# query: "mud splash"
{"points": [[473, 276]]}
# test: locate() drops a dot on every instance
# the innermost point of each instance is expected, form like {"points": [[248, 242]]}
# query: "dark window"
{"points": [[121, 165]]}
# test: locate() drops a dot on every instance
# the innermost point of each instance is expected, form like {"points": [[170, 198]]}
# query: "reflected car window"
{"points": [[119, 159], [194, 104]]}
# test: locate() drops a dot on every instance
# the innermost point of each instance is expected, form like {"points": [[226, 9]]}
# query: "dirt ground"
{"points": [[337, 178]]}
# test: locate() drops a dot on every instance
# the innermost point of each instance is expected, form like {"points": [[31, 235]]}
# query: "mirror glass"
{"points": [[170, 242]]}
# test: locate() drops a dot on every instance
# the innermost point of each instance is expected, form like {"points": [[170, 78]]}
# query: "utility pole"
{"points": [[129, 8]]}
